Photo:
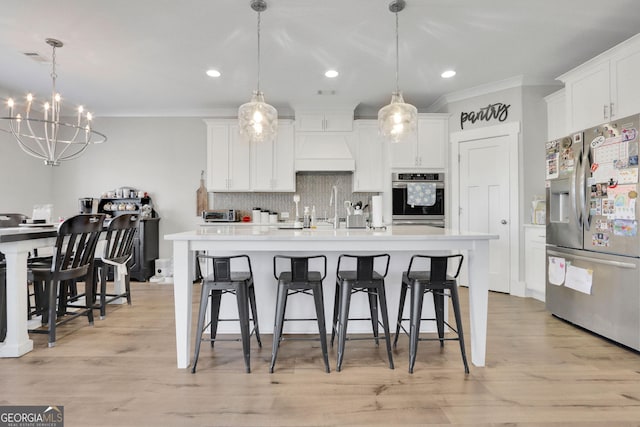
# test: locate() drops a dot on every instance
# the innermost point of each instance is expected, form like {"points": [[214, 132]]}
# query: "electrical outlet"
{"points": [[284, 215]]}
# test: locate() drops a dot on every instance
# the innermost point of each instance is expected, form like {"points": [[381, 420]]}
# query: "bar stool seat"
{"points": [[366, 280], [439, 284], [298, 280], [224, 281]]}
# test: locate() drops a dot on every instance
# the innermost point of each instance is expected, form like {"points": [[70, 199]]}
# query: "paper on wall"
{"points": [[579, 279], [556, 270]]}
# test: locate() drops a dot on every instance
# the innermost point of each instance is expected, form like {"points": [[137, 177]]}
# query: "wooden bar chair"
{"points": [[72, 260], [118, 251]]}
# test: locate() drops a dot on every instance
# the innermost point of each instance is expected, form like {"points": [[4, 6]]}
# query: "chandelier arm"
{"points": [[25, 147], [33, 134]]}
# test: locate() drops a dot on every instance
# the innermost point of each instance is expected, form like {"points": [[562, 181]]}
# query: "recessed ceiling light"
{"points": [[331, 74], [213, 73], [448, 74]]}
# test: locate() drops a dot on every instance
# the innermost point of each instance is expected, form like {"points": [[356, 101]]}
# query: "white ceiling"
{"points": [[148, 57]]}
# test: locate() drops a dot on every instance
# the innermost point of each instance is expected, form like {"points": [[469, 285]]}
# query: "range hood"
{"points": [[324, 151]]}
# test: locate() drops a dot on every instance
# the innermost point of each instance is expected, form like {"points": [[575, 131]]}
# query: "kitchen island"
{"points": [[262, 242]]}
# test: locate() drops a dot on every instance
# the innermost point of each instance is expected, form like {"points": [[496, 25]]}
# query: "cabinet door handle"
{"points": [[611, 109], [604, 112]]}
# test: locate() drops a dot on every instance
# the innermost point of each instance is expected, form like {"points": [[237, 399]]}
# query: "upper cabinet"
{"points": [[324, 121], [235, 165], [369, 146], [272, 161], [427, 148], [556, 112], [228, 167], [604, 88]]}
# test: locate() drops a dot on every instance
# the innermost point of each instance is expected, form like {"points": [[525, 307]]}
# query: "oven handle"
{"points": [[396, 184]]}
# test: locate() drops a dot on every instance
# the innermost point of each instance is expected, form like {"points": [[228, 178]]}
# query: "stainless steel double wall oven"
{"points": [[405, 213]]}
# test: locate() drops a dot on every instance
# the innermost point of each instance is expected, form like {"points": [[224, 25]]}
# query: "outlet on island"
{"points": [[284, 215]]}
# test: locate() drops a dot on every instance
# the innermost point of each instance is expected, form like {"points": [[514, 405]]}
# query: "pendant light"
{"points": [[398, 119], [258, 120]]}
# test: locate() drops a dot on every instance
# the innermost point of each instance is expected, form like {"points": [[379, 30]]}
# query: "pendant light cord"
{"points": [[259, 13], [397, 57]]}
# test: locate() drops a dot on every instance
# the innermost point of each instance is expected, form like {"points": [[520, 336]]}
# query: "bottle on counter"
{"points": [[306, 218], [313, 217], [255, 215]]}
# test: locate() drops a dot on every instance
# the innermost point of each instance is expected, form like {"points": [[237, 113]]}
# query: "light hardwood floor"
{"points": [[122, 372]]}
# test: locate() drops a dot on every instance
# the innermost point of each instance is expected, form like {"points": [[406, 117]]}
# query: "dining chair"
{"points": [[118, 251], [362, 279], [3, 303], [298, 279], [72, 260], [437, 282]]}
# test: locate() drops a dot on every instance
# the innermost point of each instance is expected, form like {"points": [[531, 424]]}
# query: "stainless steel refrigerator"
{"points": [[593, 246]]}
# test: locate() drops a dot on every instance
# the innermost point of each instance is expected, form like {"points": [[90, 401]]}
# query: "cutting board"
{"points": [[202, 199]]}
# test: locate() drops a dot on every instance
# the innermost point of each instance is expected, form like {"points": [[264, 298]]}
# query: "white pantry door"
{"points": [[484, 200]]}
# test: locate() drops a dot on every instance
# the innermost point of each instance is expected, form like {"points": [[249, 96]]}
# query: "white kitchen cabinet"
{"points": [[236, 165], [272, 161], [604, 88], [427, 148], [556, 112], [534, 252], [324, 121], [228, 165], [369, 150]]}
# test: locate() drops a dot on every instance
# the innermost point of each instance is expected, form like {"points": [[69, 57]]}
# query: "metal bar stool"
{"points": [[299, 280], [363, 279], [224, 281], [436, 281]]}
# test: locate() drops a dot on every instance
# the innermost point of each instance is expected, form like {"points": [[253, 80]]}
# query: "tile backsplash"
{"points": [[313, 188]]}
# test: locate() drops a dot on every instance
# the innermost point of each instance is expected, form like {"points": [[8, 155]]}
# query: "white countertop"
{"points": [[273, 233]]}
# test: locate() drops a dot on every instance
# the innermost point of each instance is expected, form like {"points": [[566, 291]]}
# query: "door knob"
{"points": [[504, 221]]}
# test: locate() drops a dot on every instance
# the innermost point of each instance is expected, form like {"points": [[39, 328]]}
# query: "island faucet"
{"points": [[333, 201]]}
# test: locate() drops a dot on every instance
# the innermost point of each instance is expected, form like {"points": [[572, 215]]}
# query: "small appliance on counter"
{"points": [[87, 205], [221, 215]]}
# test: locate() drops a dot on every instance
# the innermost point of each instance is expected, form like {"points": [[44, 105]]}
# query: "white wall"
{"points": [[163, 156], [528, 107], [24, 180]]}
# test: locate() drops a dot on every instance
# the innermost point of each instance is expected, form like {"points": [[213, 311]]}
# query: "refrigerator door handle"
{"points": [[586, 168], [592, 260], [577, 185]]}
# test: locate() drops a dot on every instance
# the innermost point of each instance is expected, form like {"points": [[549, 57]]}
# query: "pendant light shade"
{"points": [[258, 120], [398, 119]]}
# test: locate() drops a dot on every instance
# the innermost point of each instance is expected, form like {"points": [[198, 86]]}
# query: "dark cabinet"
{"points": [[145, 249], [146, 240]]}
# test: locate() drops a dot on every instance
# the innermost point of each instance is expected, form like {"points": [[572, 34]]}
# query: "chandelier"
{"points": [[48, 137], [258, 120], [397, 119]]}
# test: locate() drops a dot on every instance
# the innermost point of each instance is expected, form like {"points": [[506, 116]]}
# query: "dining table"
{"points": [[16, 243]]}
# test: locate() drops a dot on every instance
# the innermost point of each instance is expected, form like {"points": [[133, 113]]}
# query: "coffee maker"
{"points": [[86, 205]]}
